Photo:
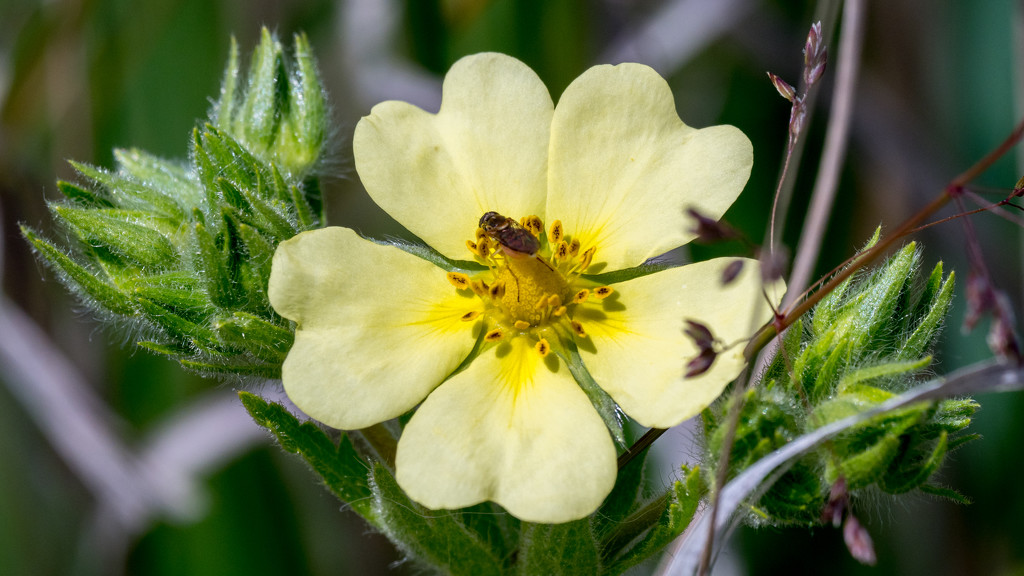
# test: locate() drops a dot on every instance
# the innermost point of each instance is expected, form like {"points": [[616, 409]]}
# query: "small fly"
{"points": [[513, 238]]}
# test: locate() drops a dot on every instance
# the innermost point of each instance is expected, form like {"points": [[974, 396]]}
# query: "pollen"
{"points": [[603, 292], [459, 280], [542, 347], [556, 234]]}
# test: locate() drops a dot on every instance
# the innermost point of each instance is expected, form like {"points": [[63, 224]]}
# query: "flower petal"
{"points": [[485, 150], [636, 349], [623, 166], [512, 428], [377, 328]]}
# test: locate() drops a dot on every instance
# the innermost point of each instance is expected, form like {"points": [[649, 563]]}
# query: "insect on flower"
{"points": [[515, 240]]}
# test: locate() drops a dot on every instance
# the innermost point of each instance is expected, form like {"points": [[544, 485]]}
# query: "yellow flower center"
{"points": [[533, 282]]}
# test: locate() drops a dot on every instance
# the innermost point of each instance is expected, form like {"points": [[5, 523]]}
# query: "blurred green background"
{"points": [[939, 86]]}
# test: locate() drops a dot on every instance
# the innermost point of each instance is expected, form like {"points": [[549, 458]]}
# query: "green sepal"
{"points": [[343, 472], [617, 276], [160, 174], [263, 339], [178, 327], [180, 292], [232, 367], [677, 511], [937, 306], [911, 471], [602, 402], [222, 111], [219, 284], [888, 370], [112, 230], [80, 195], [558, 549], [81, 280], [435, 537], [261, 116], [129, 194]]}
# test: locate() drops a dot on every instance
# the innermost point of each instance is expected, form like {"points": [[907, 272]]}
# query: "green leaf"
{"points": [[344, 473], [558, 549], [677, 513], [435, 537]]}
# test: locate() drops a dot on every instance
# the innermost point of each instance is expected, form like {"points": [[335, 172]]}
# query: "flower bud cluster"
{"points": [[863, 344], [181, 252]]}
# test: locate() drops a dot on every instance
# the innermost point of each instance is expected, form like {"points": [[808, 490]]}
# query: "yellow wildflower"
{"points": [[537, 202]]}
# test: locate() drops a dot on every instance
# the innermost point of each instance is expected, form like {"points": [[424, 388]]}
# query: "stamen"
{"points": [[533, 224], [479, 287], [497, 290], [483, 246], [581, 296], [578, 329], [574, 247], [561, 250], [521, 324], [554, 300], [494, 335], [541, 303], [559, 311], [472, 247], [588, 256], [470, 315], [603, 292], [556, 234], [480, 234], [542, 347], [459, 280]]}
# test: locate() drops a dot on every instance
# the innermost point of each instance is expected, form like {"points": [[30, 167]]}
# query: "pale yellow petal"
{"points": [[512, 428], [377, 328], [636, 349], [624, 167], [485, 150]]}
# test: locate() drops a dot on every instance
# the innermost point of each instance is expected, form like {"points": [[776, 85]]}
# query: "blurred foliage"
{"points": [[81, 78]]}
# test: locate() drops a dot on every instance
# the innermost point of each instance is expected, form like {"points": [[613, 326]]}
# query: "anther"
{"points": [[497, 290], [559, 311], [603, 292], [578, 329], [561, 250], [521, 324], [470, 315], [574, 247], [479, 287], [472, 247], [541, 303], [494, 335], [542, 347], [581, 296], [459, 280], [556, 234], [588, 256], [554, 300], [533, 224]]}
